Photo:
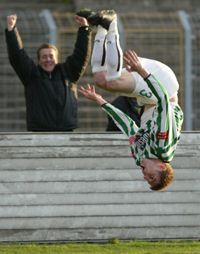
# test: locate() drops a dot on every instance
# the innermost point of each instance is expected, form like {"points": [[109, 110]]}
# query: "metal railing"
{"points": [[156, 35]]}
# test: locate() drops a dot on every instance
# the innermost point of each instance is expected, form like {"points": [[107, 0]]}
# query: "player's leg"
{"points": [[107, 55], [98, 59], [114, 56]]}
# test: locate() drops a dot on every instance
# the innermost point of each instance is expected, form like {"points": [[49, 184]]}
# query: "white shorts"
{"points": [[163, 73]]}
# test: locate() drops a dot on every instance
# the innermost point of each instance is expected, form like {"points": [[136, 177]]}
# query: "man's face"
{"points": [[151, 169], [48, 59]]}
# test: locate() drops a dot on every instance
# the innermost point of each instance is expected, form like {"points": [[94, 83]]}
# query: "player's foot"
{"points": [[85, 13], [102, 18]]}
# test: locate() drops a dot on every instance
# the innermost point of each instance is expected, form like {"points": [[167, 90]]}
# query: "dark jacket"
{"points": [[51, 102]]}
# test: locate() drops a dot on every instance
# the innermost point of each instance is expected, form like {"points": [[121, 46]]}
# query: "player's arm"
{"points": [[166, 126], [123, 121]]}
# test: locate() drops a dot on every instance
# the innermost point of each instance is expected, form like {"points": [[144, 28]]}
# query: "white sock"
{"points": [[114, 56], [98, 59]]}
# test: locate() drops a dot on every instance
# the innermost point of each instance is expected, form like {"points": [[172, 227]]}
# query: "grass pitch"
{"points": [[114, 247]]}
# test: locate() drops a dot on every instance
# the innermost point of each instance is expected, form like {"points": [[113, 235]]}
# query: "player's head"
{"points": [[47, 55], [166, 177], [157, 173]]}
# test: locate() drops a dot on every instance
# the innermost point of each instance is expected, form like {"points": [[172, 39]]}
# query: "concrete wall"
{"points": [[86, 187]]}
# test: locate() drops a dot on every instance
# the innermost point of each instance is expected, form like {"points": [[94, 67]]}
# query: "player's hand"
{"points": [[11, 21], [81, 21], [133, 63], [90, 93]]}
